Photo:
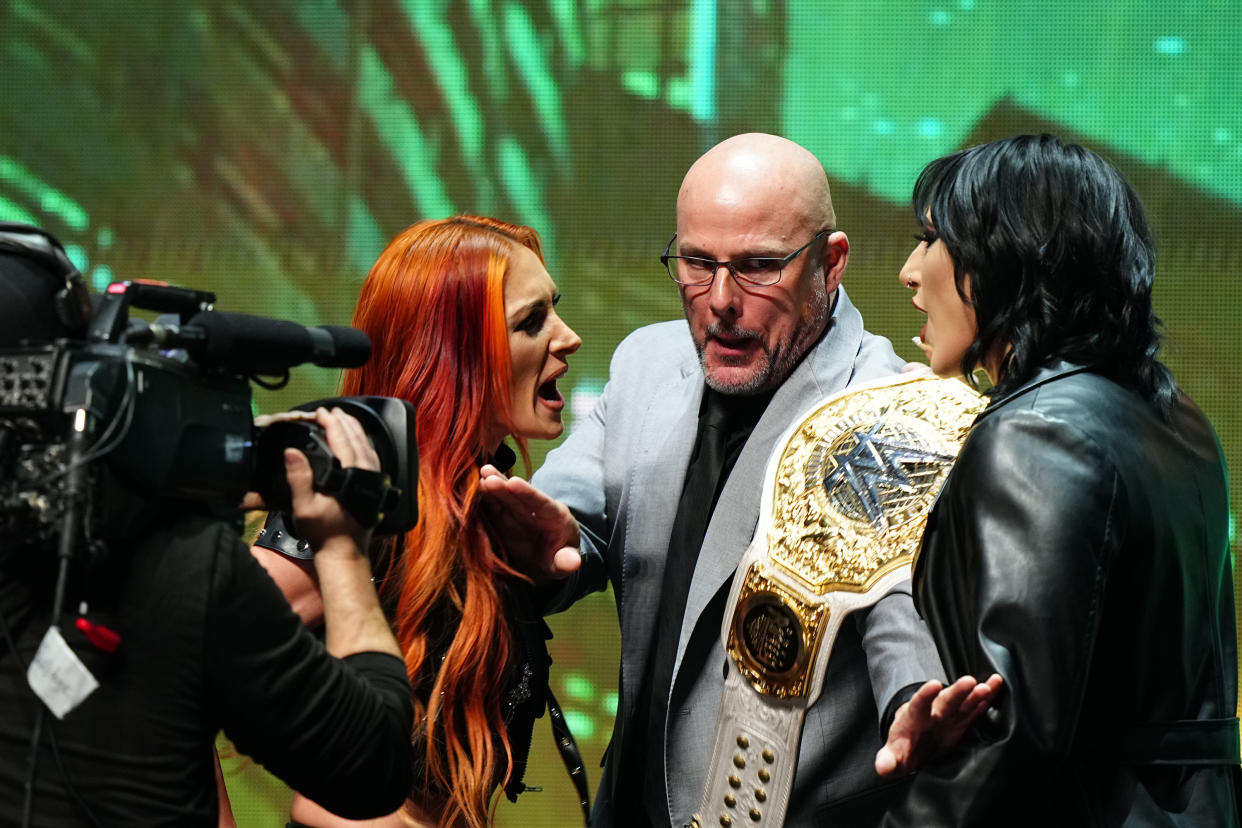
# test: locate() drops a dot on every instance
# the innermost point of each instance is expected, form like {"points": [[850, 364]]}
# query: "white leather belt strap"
{"points": [[845, 499]]}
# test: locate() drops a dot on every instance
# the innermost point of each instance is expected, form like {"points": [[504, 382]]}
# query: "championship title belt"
{"points": [[845, 499]]}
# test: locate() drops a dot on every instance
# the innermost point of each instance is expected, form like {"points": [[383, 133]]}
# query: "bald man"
{"points": [[664, 479]]}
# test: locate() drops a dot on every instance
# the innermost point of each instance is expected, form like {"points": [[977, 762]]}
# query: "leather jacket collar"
{"points": [[1046, 374]]}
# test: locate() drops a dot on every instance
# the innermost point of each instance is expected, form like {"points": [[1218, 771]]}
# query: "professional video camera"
{"points": [[117, 438], [98, 434]]}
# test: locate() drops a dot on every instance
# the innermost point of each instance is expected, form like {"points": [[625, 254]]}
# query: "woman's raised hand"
{"points": [[540, 534]]}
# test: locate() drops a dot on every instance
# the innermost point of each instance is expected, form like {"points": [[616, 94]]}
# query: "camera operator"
{"points": [[187, 635]]}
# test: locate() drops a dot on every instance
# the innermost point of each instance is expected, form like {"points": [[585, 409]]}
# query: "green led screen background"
{"points": [[266, 150]]}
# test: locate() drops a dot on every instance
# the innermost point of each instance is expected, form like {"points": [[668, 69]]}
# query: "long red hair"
{"points": [[433, 306]]}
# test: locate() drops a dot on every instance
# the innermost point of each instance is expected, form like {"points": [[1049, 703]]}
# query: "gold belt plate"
{"points": [[852, 486]]}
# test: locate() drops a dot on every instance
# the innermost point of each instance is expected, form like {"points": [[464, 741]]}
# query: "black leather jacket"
{"points": [[1080, 549]]}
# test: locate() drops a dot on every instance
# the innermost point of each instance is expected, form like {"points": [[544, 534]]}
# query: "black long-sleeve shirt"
{"points": [[207, 643]]}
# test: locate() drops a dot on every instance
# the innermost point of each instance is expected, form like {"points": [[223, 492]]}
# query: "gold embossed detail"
{"points": [[774, 635], [856, 480]]}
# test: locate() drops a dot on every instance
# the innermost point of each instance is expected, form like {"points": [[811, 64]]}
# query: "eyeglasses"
{"points": [[760, 271]]}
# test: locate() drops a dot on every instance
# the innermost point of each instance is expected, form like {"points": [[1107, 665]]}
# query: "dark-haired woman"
{"points": [[1080, 546]]}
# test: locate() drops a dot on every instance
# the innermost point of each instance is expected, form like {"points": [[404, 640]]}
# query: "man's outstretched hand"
{"points": [[932, 721], [540, 534]]}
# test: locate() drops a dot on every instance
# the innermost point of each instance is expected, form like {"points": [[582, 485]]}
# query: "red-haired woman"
{"points": [[462, 318]]}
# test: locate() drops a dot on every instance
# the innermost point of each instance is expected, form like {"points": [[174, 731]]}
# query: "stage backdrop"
{"points": [[266, 150]]}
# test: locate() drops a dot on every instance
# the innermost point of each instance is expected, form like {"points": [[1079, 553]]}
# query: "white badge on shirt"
{"points": [[58, 676]]}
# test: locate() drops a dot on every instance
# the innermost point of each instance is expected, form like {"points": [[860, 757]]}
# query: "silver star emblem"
{"points": [[881, 470]]}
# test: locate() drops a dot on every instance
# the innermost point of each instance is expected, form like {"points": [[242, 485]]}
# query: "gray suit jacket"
{"points": [[621, 471]]}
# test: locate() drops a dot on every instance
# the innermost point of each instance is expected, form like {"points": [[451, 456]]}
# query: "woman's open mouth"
{"points": [[549, 395]]}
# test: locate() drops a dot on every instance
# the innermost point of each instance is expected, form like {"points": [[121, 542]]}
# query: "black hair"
{"points": [[1059, 259]]}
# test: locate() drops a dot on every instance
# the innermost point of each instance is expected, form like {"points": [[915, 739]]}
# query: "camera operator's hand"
{"points": [[319, 517], [353, 621], [253, 501]]}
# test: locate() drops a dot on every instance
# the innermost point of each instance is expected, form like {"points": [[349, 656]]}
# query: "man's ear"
{"points": [[836, 257]]}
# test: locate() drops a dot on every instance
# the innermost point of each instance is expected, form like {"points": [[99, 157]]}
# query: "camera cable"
{"points": [[72, 524]]}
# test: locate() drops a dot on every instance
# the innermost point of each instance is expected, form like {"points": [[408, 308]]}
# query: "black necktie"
{"points": [[724, 425], [698, 495]]}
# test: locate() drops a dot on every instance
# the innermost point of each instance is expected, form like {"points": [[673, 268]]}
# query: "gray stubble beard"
{"points": [[778, 363]]}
